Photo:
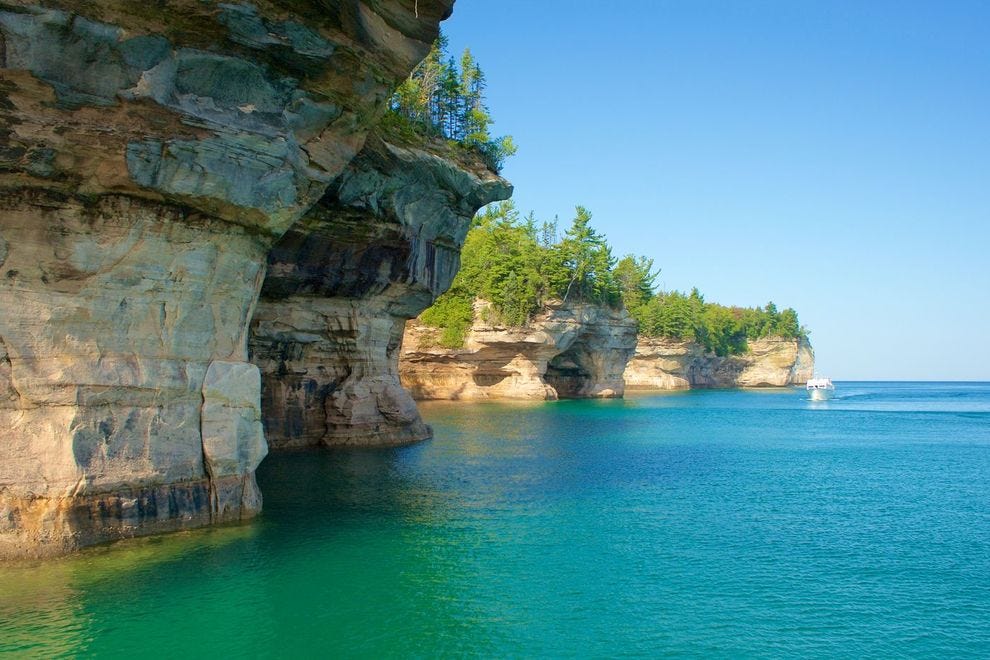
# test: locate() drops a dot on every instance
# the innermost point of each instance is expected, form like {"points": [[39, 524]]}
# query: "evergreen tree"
{"points": [[589, 258], [548, 232], [475, 118], [722, 330], [442, 98], [518, 265], [636, 280]]}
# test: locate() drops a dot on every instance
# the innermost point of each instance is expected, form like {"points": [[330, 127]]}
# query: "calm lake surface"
{"points": [[728, 523]]}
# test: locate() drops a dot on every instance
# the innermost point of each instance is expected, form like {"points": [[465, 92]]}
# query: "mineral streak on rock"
{"points": [[124, 331], [573, 350], [668, 364], [240, 110], [150, 155], [379, 247]]}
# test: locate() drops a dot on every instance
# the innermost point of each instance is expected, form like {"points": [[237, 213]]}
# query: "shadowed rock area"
{"points": [[568, 351], [377, 250], [150, 155]]}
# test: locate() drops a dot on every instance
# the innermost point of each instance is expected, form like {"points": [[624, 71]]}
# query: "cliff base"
{"points": [[669, 364], [568, 351]]}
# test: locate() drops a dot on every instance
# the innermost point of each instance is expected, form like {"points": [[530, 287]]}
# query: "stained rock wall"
{"points": [[574, 350], [380, 246], [151, 153], [126, 388], [667, 364]]}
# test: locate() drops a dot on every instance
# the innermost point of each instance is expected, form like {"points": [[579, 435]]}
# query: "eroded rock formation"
{"points": [[667, 364], [150, 155], [379, 247], [574, 350]]}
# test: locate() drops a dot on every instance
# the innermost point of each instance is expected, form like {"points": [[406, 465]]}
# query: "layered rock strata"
{"points": [[377, 250], [568, 351], [150, 155], [667, 364]]}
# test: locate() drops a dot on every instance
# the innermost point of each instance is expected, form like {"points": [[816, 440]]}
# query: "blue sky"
{"points": [[833, 157]]}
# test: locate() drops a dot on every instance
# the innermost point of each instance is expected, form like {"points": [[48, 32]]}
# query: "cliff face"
{"points": [[666, 364], [380, 246], [151, 154], [570, 351]]}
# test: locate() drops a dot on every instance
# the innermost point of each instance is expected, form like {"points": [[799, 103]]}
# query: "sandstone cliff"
{"points": [[667, 364], [574, 350], [380, 246], [151, 155]]}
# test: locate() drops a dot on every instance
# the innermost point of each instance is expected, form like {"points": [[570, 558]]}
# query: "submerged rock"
{"points": [[670, 364], [568, 351]]}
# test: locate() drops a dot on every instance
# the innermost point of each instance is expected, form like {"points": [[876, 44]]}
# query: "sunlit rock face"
{"points": [[667, 364], [379, 247], [569, 350], [151, 154], [122, 370], [245, 111]]}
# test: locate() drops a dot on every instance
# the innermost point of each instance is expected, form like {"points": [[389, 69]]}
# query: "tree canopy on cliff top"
{"points": [[676, 315], [518, 265], [442, 99]]}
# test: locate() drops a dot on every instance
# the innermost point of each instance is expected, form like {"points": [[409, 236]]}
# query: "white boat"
{"points": [[820, 389]]}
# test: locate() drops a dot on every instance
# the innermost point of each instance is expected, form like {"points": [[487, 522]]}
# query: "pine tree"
{"points": [[440, 98], [590, 259], [548, 232], [636, 279]]}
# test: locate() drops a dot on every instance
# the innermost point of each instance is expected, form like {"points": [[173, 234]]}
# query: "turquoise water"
{"points": [[728, 523]]}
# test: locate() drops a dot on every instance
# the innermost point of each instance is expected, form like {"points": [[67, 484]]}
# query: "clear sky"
{"points": [[830, 156]]}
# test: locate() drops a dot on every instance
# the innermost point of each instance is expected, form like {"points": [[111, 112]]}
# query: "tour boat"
{"points": [[820, 389]]}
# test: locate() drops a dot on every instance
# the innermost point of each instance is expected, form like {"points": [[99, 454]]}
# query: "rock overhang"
{"points": [[151, 153], [245, 111]]}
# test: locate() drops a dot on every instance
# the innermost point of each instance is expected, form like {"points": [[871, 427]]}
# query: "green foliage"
{"points": [[453, 313], [502, 263], [673, 315], [722, 330], [636, 280], [443, 99], [723, 334], [517, 265], [588, 258]]}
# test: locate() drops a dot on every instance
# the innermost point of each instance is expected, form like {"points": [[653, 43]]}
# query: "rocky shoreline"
{"points": [[670, 364], [583, 351], [575, 350], [203, 239], [210, 247]]}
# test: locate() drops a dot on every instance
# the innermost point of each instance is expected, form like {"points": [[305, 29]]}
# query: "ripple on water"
{"points": [[706, 523]]}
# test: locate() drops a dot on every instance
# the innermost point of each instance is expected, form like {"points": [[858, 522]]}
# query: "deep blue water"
{"points": [[726, 523]]}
